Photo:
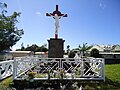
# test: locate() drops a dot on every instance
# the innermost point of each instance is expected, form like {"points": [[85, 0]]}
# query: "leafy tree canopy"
{"points": [[35, 48], [9, 33], [68, 49], [95, 53], [84, 48]]}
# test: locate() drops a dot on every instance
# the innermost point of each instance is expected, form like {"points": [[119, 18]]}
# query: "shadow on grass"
{"points": [[100, 85], [109, 84]]}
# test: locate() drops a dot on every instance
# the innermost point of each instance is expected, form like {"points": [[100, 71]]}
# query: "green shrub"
{"points": [[95, 53], [71, 54]]}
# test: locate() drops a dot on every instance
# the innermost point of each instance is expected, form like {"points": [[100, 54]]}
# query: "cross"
{"points": [[56, 15]]}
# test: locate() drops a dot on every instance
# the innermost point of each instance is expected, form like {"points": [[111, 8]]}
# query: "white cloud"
{"points": [[38, 13], [102, 5]]}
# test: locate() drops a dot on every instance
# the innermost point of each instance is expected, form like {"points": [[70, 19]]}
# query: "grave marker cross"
{"points": [[56, 15]]}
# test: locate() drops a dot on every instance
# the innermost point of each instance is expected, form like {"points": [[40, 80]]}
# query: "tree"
{"points": [[71, 54], [43, 48], [22, 47], [34, 48], [68, 49], [9, 33], [84, 48], [95, 53]]}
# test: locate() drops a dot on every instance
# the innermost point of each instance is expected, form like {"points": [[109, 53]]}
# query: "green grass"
{"points": [[112, 72], [112, 79]]}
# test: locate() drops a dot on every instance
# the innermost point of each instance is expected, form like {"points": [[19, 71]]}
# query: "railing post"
{"points": [[82, 67], [103, 69], [0, 72], [14, 68]]}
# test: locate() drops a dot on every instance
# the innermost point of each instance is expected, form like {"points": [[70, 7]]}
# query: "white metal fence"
{"points": [[54, 68], [70, 68], [22, 65], [17, 66], [6, 69]]}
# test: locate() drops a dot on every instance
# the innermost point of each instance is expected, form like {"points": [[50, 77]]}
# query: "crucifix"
{"points": [[56, 15]]}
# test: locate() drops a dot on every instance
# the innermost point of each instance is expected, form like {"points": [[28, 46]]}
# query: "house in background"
{"points": [[116, 48], [111, 53], [98, 47], [21, 53], [41, 54], [102, 48]]}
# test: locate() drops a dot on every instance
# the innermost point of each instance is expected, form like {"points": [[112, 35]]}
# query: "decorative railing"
{"points": [[22, 65], [71, 68], [60, 68], [17, 67], [6, 69], [54, 68]]}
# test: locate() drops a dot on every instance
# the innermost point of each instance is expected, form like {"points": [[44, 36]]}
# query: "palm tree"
{"points": [[68, 49], [84, 48]]}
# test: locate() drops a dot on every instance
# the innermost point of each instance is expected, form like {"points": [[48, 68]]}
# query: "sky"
{"points": [[88, 21]]}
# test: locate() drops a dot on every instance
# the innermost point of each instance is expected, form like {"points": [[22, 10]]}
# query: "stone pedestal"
{"points": [[55, 48]]}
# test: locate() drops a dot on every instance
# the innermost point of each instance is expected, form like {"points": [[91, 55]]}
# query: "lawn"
{"points": [[112, 82], [112, 72]]}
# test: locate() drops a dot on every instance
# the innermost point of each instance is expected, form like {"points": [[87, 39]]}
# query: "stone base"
{"points": [[55, 48]]}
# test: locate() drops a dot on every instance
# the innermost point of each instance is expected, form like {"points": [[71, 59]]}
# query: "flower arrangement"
{"points": [[31, 75], [62, 73]]}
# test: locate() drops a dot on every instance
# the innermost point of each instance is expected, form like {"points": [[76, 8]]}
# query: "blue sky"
{"points": [[91, 21]]}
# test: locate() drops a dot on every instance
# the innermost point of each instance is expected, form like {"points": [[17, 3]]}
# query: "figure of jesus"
{"points": [[56, 17]]}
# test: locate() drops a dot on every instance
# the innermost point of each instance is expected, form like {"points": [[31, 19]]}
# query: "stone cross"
{"points": [[56, 15]]}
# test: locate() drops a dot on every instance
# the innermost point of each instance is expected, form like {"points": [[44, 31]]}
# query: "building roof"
{"points": [[20, 51], [109, 53], [41, 52], [102, 48], [98, 47], [116, 48]]}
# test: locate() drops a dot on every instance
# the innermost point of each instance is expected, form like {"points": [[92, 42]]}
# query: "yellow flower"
{"points": [[32, 73]]}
